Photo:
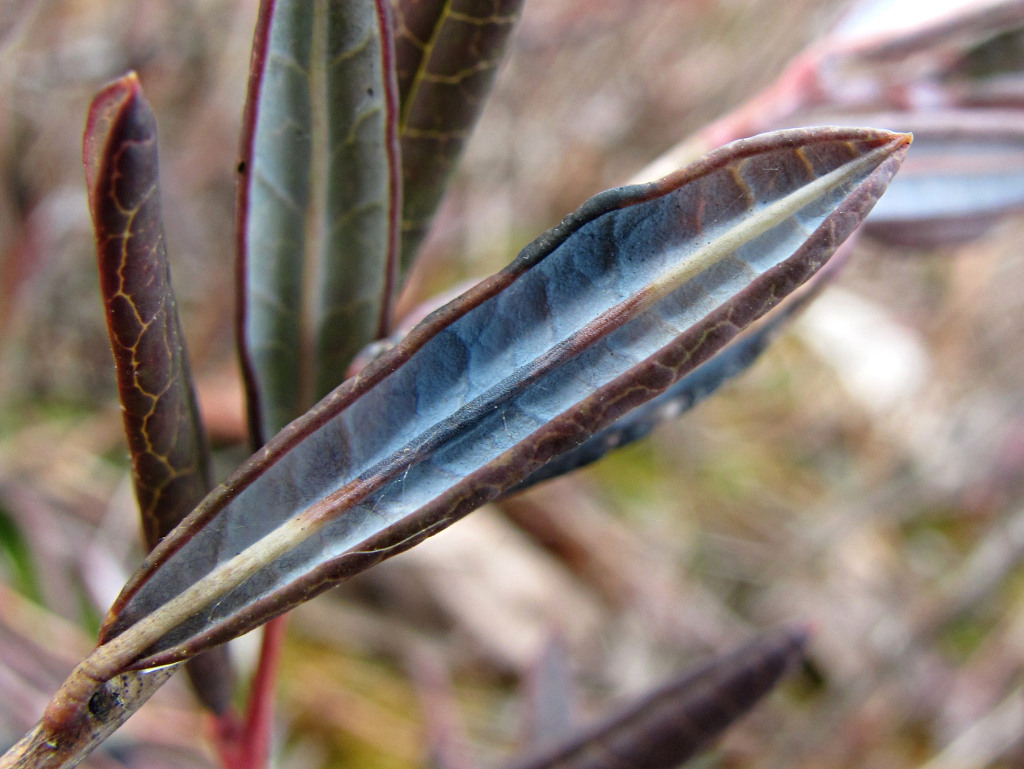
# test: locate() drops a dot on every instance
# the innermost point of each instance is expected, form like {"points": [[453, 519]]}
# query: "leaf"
{"points": [[894, 55], [679, 720], [447, 52], [170, 454], [693, 388], [893, 31], [595, 317], [966, 173], [169, 450], [997, 58], [319, 200]]}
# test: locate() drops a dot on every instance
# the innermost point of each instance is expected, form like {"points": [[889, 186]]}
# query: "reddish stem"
{"points": [[259, 719], [227, 739], [245, 744]]}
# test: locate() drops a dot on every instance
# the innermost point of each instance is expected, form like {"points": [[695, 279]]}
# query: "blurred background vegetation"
{"points": [[866, 475]]}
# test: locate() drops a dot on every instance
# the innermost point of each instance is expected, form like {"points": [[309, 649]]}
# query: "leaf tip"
{"points": [[898, 142], [904, 139], [107, 106]]}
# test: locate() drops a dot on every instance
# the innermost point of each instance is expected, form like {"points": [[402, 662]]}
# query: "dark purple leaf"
{"points": [[170, 455], [680, 719], [169, 450]]}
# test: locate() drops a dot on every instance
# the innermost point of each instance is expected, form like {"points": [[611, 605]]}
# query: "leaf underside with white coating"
{"points": [[319, 201], [692, 389], [594, 318], [695, 387]]}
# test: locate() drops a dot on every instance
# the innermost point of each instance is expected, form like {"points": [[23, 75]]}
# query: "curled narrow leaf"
{"points": [[447, 54], [594, 318], [679, 720], [170, 456], [320, 201], [169, 450], [120, 159]]}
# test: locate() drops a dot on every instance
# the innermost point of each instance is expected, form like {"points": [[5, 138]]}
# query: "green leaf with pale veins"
{"points": [[447, 53], [319, 200]]}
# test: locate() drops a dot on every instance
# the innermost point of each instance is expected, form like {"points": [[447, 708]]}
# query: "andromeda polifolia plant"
{"points": [[637, 305]]}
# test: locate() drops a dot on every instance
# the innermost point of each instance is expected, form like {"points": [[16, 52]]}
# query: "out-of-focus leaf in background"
{"points": [[680, 719], [967, 173]]}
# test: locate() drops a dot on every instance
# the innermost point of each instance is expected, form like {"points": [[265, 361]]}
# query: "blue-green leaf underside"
{"points": [[594, 318], [692, 389], [677, 400]]}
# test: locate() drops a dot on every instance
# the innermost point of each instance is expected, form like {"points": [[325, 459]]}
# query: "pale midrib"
{"points": [[315, 225], [120, 651]]}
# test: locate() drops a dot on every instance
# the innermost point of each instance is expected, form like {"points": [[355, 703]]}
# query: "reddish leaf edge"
{"points": [[448, 507], [247, 144], [168, 444], [112, 101], [108, 661], [381, 367]]}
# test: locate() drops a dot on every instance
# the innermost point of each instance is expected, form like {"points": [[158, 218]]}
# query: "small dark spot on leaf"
{"points": [[102, 702], [369, 92], [241, 167]]}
